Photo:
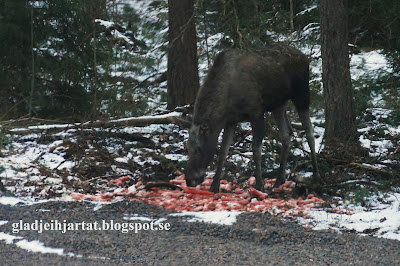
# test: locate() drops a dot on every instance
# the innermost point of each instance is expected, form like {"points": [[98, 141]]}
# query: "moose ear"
{"points": [[204, 129]]}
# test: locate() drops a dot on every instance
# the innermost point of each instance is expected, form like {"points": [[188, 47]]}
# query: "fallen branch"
{"points": [[371, 168], [361, 165], [169, 118], [106, 177], [25, 119]]}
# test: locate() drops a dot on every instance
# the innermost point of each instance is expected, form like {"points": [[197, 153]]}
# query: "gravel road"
{"points": [[255, 239]]}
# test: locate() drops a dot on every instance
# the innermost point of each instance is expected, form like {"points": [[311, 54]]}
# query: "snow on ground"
{"points": [[32, 246], [35, 245], [221, 217], [380, 219], [372, 62], [12, 201]]}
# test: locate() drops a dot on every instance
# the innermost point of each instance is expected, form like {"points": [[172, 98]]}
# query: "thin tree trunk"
{"points": [[95, 83], [340, 128], [182, 75], [33, 68], [291, 15], [205, 33]]}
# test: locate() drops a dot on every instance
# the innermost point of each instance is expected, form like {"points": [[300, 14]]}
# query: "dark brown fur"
{"points": [[242, 86]]}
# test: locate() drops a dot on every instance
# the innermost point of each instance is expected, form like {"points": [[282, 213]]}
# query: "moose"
{"points": [[242, 86]]}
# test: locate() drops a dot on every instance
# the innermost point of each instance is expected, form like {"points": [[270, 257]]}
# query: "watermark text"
{"points": [[105, 225]]}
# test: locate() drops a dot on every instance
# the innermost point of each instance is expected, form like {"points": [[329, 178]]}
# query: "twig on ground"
{"points": [[151, 185], [105, 177]]}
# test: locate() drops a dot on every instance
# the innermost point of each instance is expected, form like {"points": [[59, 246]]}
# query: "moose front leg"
{"points": [[285, 132], [226, 143], [258, 129]]}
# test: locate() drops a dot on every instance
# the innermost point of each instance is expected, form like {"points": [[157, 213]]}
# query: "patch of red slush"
{"points": [[236, 198]]}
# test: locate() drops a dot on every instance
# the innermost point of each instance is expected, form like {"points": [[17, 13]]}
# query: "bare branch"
{"points": [[169, 118]]}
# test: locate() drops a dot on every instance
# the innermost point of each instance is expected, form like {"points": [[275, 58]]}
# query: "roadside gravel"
{"points": [[255, 239]]}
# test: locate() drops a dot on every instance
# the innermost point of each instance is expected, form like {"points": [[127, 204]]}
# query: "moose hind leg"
{"points": [[285, 132], [226, 143], [306, 122], [258, 129]]}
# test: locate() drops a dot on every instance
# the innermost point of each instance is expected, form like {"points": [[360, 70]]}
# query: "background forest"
{"points": [[98, 60], [80, 60]]}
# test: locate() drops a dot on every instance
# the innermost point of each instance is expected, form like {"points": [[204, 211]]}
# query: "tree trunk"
{"points": [[2, 188], [291, 15], [340, 127], [32, 69], [182, 75]]}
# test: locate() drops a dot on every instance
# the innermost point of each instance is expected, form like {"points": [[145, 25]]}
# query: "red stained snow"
{"points": [[235, 197]]}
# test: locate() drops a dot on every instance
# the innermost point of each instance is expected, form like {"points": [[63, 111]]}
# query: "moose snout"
{"points": [[194, 179]]}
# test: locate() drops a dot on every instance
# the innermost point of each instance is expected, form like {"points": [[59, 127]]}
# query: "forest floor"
{"points": [[60, 162]]}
